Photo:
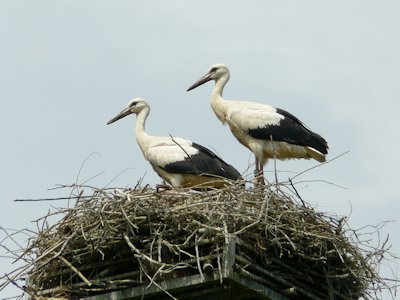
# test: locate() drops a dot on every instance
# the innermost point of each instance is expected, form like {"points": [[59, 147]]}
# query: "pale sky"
{"points": [[67, 67]]}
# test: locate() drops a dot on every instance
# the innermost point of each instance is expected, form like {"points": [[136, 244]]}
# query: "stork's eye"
{"points": [[134, 103], [213, 69]]}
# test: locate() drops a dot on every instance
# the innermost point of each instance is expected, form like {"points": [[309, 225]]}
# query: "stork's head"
{"points": [[215, 72], [134, 106]]}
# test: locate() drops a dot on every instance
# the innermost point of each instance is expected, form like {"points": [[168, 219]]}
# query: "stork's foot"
{"points": [[163, 187]]}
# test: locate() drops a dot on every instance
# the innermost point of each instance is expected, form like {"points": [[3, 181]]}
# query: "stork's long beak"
{"points": [[122, 114], [199, 82]]}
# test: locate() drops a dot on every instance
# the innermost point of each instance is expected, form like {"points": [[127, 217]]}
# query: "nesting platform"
{"points": [[229, 279], [234, 243]]}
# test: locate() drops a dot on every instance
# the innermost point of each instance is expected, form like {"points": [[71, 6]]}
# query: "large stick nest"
{"points": [[120, 238]]}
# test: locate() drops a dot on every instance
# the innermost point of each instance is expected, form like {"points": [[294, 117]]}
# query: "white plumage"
{"points": [[164, 150], [267, 131], [178, 161], [251, 115]]}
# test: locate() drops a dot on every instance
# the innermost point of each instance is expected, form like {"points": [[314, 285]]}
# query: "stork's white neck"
{"points": [[142, 138], [217, 101]]}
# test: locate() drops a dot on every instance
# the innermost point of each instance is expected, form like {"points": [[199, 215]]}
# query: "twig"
{"points": [[197, 259], [75, 270], [53, 199], [321, 164]]}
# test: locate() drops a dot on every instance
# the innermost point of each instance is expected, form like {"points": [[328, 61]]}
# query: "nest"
{"points": [[116, 239]]}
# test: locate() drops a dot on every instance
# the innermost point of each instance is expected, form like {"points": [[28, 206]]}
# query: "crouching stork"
{"points": [[178, 161], [267, 131]]}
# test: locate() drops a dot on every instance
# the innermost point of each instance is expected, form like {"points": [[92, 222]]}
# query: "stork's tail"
{"points": [[318, 156]]}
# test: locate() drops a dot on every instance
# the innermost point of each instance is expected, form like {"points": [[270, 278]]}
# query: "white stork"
{"points": [[180, 162], [267, 131]]}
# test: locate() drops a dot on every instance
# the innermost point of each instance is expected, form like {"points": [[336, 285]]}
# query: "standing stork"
{"points": [[267, 131], [180, 162]]}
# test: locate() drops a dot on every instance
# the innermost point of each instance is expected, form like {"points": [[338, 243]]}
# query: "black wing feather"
{"points": [[291, 130], [204, 162]]}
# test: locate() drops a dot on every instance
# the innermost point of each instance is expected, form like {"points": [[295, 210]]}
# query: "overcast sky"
{"points": [[67, 67]]}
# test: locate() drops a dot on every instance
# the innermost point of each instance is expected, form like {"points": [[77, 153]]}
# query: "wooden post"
{"points": [[228, 255]]}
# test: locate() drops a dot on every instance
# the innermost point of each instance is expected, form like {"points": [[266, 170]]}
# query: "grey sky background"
{"points": [[67, 67]]}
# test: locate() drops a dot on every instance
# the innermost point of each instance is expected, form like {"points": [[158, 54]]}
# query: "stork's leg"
{"points": [[261, 180], [259, 174], [256, 173], [256, 169]]}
